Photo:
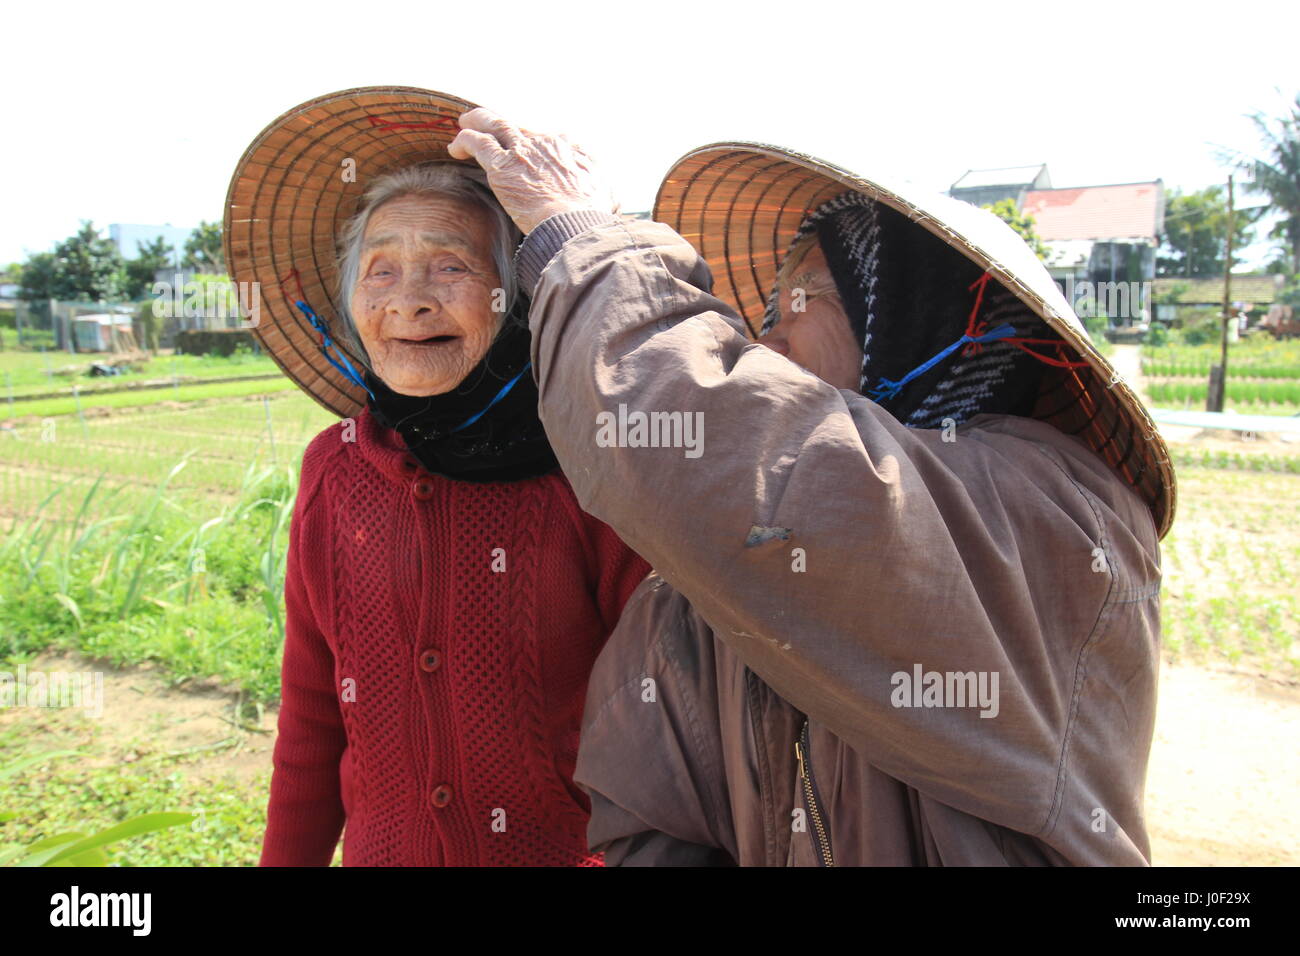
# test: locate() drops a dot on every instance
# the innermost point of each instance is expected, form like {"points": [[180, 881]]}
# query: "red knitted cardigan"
{"points": [[439, 636]]}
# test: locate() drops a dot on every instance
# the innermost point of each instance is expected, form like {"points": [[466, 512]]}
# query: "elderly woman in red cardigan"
{"points": [[445, 596]]}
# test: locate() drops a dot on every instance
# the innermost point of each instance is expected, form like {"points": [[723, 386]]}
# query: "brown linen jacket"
{"points": [[817, 563]]}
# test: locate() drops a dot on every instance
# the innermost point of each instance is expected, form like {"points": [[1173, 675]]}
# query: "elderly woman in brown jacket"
{"points": [[907, 605]]}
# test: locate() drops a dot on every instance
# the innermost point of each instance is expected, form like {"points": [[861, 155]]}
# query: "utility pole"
{"points": [[1216, 397]]}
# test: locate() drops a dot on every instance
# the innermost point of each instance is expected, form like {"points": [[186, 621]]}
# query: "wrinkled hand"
{"points": [[533, 175]]}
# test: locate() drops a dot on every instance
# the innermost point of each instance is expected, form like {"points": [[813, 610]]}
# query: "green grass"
{"points": [[1284, 396], [198, 591], [1262, 359], [1263, 376], [27, 371], [136, 450], [115, 781], [41, 408], [1231, 564], [1210, 458], [1161, 369], [158, 378], [111, 548], [15, 361]]}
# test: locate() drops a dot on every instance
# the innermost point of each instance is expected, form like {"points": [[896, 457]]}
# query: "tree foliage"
{"points": [[203, 251], [1276, 175], [1022, 223], [87, 268], [36, 281], [139, 273], [1196, 233]]}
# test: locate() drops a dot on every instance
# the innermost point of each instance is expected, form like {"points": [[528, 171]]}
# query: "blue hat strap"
{"points": [[326, 343], [505, 390], [887, 388]]}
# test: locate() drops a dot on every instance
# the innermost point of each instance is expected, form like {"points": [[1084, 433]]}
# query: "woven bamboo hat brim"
{"points": [[740, 204], [296, 185]]}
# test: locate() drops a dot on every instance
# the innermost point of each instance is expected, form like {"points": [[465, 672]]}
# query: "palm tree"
{"points": [[1277, 175]]}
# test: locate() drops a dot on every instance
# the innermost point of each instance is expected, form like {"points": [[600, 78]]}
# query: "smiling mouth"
{"points": [[432, 340]]}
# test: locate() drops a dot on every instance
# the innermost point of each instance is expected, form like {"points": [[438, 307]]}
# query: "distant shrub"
{"points": [[1201, 331], [1200, 328], [217, 342], [1096, 326], [1157, 336]]}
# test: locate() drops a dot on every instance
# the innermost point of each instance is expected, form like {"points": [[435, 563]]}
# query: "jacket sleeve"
{"points": [[839, 553], [650, 757], [305, 812]]}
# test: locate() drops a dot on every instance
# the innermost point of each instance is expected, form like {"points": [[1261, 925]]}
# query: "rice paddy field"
{"points": [[1263, 376], [135, 449], [153, 535]]}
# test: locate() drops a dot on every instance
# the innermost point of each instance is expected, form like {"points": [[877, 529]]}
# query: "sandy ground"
{"points": [[142, 714], [1223, 786], [1222, 790]]}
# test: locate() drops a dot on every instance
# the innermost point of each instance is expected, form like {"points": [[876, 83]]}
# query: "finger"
{"points": [[471, 143], [485, 121]]}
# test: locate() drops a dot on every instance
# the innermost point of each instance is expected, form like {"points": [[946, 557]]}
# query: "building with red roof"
{"points": [[1101, 240], [1123, 212]]}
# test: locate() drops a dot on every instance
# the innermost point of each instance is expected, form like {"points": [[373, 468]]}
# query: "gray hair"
{"points": [[463, 181]]}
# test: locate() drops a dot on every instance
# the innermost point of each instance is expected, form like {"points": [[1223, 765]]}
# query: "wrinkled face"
{"points": [[814, 330], [424, 294]]}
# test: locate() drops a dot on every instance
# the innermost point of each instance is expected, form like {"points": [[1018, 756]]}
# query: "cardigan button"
{"points": [[442, 796], [430, 660], [422, 489]]}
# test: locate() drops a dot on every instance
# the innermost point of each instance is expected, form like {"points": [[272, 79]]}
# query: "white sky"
{"points": [[137, 112]]}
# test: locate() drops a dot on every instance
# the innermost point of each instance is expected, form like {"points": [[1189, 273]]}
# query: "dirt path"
{"points": [[143, 714], [1127, 362], [1222, 789], [1223, 786]]}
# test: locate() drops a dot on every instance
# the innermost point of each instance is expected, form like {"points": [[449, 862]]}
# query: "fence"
{"points": [[57, 326]]}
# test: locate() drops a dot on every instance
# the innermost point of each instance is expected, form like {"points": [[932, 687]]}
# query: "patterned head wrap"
{"points": [[930, 321]]}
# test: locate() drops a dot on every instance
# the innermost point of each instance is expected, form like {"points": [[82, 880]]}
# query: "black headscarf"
{"points": [[484, 429], [909, 295]]}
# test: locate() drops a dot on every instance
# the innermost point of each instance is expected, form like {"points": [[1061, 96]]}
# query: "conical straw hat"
{"points": [[296, 185], [740, 205]]}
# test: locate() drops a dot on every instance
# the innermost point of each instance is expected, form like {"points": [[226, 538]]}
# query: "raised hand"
{"points": [[533, 175]]}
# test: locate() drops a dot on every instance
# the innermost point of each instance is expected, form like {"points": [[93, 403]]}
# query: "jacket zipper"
{"points": [[821, 839]]}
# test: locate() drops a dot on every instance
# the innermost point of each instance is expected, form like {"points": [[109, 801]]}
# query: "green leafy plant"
{"points": [[75, 847]]}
